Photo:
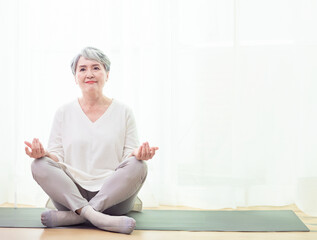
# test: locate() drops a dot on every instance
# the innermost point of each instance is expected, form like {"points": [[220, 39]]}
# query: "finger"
{"points": [[146, 150], [35, 148], [27, 151], [143, 151], [38, 144], [42, 149], [41, 146], [33, 143], [140, 152], [28, 144], [152, 152], [38, 148]]}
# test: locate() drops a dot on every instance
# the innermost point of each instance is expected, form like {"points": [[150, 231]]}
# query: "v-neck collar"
{"points": [[102, 116]]}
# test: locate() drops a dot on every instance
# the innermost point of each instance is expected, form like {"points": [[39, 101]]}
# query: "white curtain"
{"points": [[226, 89]]}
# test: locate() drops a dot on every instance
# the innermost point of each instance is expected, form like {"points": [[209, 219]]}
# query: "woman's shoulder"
{"points": [[66, 107], [118, 103], [121, 106]]}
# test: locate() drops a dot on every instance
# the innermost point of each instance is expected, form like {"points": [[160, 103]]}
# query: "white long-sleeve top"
{"points": [[91, 151]]}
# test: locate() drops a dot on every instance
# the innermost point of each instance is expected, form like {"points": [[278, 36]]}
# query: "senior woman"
{"points": [[93, 167]]}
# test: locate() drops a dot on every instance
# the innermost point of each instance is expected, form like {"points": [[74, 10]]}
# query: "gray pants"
{"points": [[116, 196]]}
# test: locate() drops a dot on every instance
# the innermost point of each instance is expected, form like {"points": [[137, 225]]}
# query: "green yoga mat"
{"points": [[233, 221], [240, 221]]}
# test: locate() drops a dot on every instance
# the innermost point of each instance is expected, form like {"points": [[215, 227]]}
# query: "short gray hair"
{"points": [[93, 54]]}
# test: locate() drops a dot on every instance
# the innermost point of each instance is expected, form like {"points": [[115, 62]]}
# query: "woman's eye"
{"points": [[82, 69], [96, 68]]}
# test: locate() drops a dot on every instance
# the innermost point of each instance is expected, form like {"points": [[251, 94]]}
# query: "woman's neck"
{"points": [[93, 101]]}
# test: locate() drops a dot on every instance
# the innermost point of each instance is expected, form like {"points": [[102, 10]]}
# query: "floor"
{"points": [[79, 234]]}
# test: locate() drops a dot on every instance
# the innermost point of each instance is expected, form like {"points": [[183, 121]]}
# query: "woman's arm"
{"points": [[131, 141], [51, 156], [55, 149], [143, 152]]}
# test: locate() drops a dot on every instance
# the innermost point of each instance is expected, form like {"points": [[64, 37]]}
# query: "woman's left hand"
{"points": [[144, 152]]}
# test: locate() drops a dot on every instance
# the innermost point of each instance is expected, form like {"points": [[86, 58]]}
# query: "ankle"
{"points": [[86, 210], [81, 211], [78, 211]]}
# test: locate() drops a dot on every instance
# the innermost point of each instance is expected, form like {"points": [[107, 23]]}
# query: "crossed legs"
{"points": [[116, 197]]}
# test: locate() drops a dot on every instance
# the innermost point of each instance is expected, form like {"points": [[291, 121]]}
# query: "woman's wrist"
{"points": [[51, 156]]}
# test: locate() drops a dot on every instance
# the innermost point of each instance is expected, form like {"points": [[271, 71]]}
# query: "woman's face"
{"points": [[91, 75]]}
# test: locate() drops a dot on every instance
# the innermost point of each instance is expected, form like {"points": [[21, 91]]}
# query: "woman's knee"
{"points": [[139, 167], [40, 166]]}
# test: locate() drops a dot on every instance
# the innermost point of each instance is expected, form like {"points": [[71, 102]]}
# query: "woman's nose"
{"points": [[89, 73]]}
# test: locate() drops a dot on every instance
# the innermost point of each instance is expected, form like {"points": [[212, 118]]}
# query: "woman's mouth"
{"points": [[90, 82]]}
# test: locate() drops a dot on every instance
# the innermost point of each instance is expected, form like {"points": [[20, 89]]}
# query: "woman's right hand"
{"points": [[37, 150]]}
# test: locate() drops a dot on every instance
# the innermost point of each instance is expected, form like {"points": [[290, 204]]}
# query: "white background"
{"points": [[226, 89]]}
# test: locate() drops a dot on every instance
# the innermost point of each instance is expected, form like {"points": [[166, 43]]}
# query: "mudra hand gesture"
{"points": [[37, 150], [144, 152]]}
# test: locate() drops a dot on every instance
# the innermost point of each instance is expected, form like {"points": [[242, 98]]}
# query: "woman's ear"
{"points": [[76, 80]]}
